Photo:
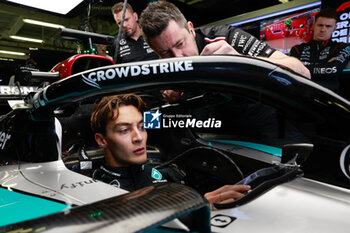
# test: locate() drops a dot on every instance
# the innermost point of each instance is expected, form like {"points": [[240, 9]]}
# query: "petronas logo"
{"points": [[156, 174]]}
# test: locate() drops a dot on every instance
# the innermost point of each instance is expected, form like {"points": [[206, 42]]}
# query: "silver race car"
{"points": [[240, 120]]}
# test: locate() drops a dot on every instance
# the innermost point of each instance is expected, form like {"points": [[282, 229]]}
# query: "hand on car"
{"points": [[226, 194], [171, 96], [219, 47]]}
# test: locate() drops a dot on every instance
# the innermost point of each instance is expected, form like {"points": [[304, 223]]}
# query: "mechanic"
{"points": [[102, 50], [169, 34], [324, 58], [117, 123], [132, 47]]}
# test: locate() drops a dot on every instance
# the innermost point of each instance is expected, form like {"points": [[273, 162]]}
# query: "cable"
{"points": [[120, 32]]}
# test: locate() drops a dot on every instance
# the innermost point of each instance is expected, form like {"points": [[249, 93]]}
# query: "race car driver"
{"points": [[132, 47], [324, 58], [169, 34], [117, 123]]}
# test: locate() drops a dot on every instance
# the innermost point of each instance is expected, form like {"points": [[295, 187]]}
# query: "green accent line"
{"points": [[17, 207], [264, 148]]}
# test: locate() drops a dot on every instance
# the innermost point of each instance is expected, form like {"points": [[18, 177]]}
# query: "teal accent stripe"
{"points": [[264, 148], [17, 207]]}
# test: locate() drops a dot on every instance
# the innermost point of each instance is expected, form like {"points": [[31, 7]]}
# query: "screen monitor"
{"points": [[283, 32]]}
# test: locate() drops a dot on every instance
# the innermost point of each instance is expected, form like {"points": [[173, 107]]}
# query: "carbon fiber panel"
{"points": [[133, 212]]}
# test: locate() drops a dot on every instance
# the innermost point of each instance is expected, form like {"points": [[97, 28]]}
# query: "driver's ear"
{"points": [[100, 139]]}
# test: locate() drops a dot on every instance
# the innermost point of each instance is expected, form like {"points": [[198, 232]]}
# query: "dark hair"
{"points": [[104, 110], [118, 7], [156, 17], [328, 13]]}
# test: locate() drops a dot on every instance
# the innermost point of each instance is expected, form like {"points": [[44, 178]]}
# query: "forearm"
{"points": [[291, 62]]}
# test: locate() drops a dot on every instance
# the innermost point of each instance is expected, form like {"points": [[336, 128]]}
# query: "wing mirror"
{"points": [[296, 152]]}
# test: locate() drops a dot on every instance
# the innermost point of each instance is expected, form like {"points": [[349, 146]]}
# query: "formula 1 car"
{"points": [[240, 120], [31, 80]]}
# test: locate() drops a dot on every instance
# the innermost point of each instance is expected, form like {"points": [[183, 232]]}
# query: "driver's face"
{"points": [[175, 41], [125, 139]]}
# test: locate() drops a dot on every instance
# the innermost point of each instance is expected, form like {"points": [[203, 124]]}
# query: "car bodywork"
{"points": [[281, 199]]}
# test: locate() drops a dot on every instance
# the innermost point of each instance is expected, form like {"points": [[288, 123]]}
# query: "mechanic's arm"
{"points": [[291, 62], [222, 47], [226, 193], [331, 69]]}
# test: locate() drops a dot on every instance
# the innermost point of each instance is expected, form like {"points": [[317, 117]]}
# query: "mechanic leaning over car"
{"points": [[117, 124], [169, 34], [324, 58], [132, 47]]}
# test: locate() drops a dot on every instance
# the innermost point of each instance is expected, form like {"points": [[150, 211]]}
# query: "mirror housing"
{"points": [[296, 152]]}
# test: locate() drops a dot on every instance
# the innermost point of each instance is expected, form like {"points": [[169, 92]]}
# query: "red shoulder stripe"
{"points": [[208, 40]]}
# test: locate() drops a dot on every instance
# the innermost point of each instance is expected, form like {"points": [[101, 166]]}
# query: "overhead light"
{"points": [[283, 1], [6, 59], [12, 53], [60, 7], [26, 39], [45, 24]]}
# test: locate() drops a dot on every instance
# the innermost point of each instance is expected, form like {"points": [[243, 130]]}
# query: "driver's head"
{"points": [[118, 127], [167, 31], [325, 24], [130, 20]]}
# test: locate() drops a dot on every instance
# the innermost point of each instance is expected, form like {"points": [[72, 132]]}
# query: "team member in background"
{"points": [[132, 47], [102, 50], [167, 31], [117, 123], [324, 58]]}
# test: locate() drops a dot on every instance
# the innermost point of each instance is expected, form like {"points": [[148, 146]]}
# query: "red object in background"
{"points": [[79, 63], [284, 33], [300, 25], [344, 6]]}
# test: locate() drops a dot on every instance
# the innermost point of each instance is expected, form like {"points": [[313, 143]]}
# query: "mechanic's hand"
{"points": [[226, 194], [171, 96], [219, 47]]}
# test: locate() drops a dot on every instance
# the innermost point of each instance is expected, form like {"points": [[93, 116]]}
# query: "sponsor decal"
{"points": [[94, 78], [78, 184], [125, 47], [3, 139], [252, 48], [155, 120], [221, 220], [330, 70], [233, 42], [122, 42], [13, 90], [156, 174], [342, 32], [115, 183], [242, 40]]}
